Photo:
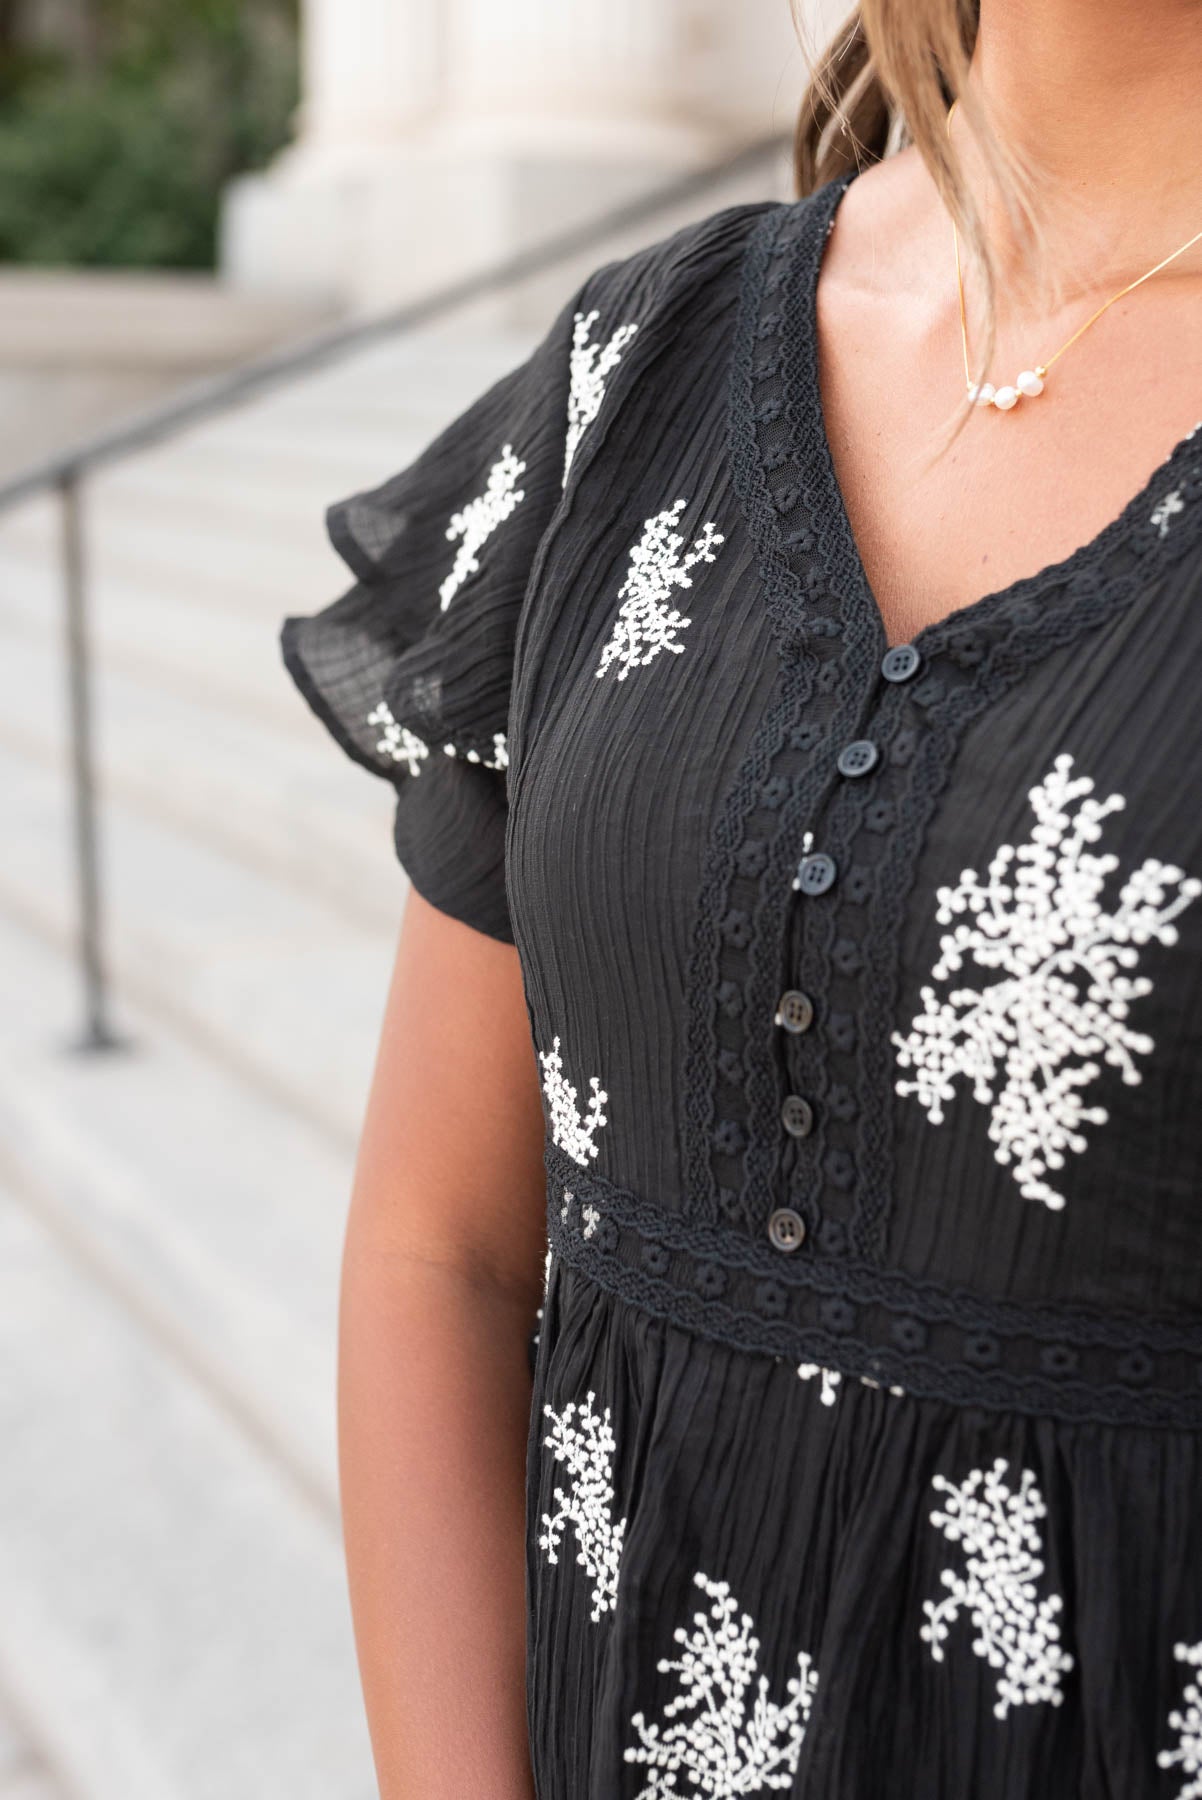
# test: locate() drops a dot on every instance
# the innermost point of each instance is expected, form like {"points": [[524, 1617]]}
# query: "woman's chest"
{"points": [[852, 922]]}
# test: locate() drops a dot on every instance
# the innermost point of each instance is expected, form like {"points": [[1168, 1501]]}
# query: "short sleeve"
{"points": [[411, 668]]}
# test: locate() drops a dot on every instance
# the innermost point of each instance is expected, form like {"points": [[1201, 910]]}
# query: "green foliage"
{"points": [[124, 164]]}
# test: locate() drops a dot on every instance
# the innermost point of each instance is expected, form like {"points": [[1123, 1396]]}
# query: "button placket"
{"points": [[817, 875], [822, 1140]]}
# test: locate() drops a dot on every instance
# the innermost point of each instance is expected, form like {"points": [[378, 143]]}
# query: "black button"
{"points": [[815, 873], [787, 1229], [858, 758], [797, 1116], [794, 1010], [899, 663]]}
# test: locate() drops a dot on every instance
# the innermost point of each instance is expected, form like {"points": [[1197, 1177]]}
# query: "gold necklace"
{"points": [[1031, 381]]}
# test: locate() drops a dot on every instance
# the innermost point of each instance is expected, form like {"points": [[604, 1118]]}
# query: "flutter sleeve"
{"points": [[411, 668]]}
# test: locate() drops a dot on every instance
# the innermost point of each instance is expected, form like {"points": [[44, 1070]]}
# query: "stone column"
{"points": [[437, 135], [371, 82], [370, 71], [584, 72]]}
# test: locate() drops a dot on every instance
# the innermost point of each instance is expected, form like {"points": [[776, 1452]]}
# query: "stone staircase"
{"points": [[174, 1623]]}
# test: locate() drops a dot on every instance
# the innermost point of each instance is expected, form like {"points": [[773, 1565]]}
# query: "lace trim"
{"points": [[850, 1316]]}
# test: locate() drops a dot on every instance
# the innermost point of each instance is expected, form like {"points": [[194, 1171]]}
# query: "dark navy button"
{"points": [[858, 758], [815, 873], [786, 1229], [794, 1010], [797, 1116], [899, 663]]}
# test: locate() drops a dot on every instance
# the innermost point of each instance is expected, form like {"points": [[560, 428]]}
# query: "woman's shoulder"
{"points": [[704, 255]]}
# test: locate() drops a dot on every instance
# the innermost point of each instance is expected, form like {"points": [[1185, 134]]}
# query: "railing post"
{"points": [[96, 1034]]}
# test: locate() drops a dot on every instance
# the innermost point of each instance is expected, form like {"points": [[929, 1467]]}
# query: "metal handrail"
{"points": [[66, 471], [201, 399]]}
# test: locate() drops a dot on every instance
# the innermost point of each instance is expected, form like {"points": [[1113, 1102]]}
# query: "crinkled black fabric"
{"points": [[864, 1457]]}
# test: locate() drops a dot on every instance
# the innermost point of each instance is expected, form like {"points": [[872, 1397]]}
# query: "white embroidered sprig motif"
{"points": [[1017, 1633], [398, 741], [1166, 510], [403, 745], [831, 1379], [480, 518], [498, 760], [590, 364], [572, 1133], [1187, 1723], [582, 1441], [1031, 1042], [646, 623], [722, 1734]]}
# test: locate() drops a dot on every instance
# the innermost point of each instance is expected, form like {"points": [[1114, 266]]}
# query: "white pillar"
{"points": [[582, 71], [370, 70], [371, 80], [435, 135]]}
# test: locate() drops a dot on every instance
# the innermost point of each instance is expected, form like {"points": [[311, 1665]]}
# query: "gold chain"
{"points": [[1031, 380]]}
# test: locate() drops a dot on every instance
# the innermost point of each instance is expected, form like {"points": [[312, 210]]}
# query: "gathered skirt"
{"points": [[746, 1577]]}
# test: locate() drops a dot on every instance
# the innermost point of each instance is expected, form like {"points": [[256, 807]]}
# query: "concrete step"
{"points": [[285, 990], [174, 1620], [212, 1215], [175, 1623], [288, 805], [173, 635], [198, 549]]}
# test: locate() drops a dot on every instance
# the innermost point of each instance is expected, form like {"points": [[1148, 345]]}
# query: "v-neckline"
{"points": [[844, 566]]}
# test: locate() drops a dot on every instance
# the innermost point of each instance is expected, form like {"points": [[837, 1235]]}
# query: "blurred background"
{"points": [[252, 257]]}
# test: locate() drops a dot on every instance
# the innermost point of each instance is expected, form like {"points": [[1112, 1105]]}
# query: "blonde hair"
{"points": [[886, 79]]}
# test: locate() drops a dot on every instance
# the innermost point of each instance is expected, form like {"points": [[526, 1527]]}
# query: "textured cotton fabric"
{"points": [[866, 985]]}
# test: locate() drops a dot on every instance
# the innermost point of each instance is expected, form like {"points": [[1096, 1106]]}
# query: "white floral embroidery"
{"points": [[1030, 1043], [568, 1129], [646, 624], [398, 741], [566, 1199], [592, 1218], [405, 746], [732, 1739], [1166, 510], [1187, 1723], [480, 518], [583, 1442], [832, 1378], [498, 760], [590, 364], [1016, 1633]]}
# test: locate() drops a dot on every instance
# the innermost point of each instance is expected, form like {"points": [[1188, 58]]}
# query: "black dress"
{"points": [[866, 985]]}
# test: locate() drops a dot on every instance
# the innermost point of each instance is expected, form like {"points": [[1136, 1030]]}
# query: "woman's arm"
{"points": [[441, 1281]]}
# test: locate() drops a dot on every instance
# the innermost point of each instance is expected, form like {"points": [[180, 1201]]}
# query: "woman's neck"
{"points": [[1105, 100]]}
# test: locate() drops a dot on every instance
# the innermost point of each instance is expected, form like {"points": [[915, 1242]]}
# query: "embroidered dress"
{"points": [[865, 1456]]}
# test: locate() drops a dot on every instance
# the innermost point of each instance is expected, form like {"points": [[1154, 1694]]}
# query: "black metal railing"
{"points": [[66, 473]]}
